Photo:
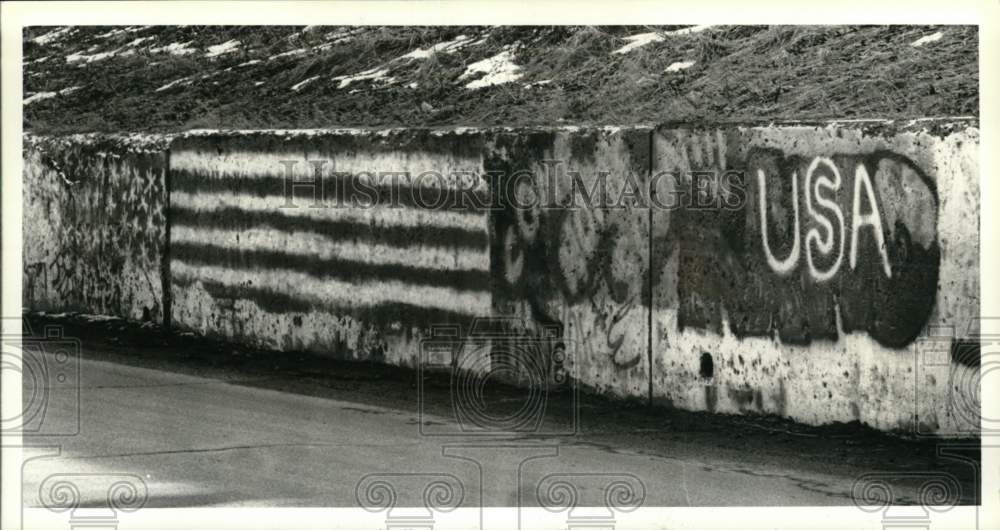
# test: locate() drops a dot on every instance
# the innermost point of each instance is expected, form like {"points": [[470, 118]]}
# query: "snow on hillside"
{"points": [[169, 78]]}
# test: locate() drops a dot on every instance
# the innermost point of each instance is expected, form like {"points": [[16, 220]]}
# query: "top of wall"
{"points": [[141, 142], [101, 142]]}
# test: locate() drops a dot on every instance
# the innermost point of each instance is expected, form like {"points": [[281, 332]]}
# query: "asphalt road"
{"points": [[212, 435]]}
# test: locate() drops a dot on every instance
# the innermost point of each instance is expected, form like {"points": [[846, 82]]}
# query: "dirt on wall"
{"points": [[806, 299], [95, 225]]}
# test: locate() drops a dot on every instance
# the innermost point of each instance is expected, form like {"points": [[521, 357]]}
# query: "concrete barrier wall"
{"points": [[579, 268], [817, 298], [94, 225], [312, 270], [823, 273]]}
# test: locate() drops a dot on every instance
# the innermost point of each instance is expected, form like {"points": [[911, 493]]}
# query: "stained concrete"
{"points": [[810, 267]]}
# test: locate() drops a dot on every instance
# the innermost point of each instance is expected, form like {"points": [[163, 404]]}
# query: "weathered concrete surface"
{"points": [[808, 295], [94, 225], [567, 258], [748, 298], [341, 266]]}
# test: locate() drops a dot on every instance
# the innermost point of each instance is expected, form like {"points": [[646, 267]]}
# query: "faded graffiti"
{"points": [[588, 262], [583, 269], [94, 229]]}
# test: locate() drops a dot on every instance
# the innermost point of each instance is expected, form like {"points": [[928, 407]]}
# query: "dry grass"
{"points": [[739, 73]]}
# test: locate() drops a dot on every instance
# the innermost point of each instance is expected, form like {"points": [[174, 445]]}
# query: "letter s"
{"points": [[825, 245]]}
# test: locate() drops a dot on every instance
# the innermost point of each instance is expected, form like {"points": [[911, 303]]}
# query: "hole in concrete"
{"points": [[707, 368]]}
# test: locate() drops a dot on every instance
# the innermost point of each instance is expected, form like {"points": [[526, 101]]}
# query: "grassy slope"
{"points": [[745, 72]]}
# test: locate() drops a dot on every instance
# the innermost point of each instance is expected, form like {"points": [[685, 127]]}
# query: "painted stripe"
{"points": [[460, 172], [342, 191], [346, 294], [328, 269], [358, 232], [383, 316], [379, 216], [317, 246]]}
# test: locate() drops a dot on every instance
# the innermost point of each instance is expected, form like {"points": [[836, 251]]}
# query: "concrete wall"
{"points": [[580, 269], [310, 271], [799, 270], [815, 299], [94, 225]]}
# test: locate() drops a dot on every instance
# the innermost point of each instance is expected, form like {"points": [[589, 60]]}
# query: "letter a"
{"points": [[871, 218]]}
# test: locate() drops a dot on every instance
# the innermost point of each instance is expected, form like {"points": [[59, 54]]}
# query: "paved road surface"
{"points": [[201, 436]]}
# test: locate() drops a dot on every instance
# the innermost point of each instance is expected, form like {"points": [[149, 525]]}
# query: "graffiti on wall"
{"points": [[583, 269], [269, 246], [823, 244], [96, 227], [588, 261]]}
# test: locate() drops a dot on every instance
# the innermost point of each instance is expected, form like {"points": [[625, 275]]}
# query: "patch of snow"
{"points": [[481, 40], [38, 96], [119, 31], [52, 36], [457, 43], [112, 33], [248, 63], [680, 65], [636, 41], [297, 86], [413, 85], [175, 48], [688, 30], [220, 49], [77, 57], [538, 83], [927, 39], [337, 37], [289, 53], [374, 75], [138, 41], [499, 69], [258, 83], [642, 39], [183, 80]]}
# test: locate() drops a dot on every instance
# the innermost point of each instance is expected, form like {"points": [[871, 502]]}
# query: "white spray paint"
{"points": [[788, 264], [813, 236], [872, 218]]}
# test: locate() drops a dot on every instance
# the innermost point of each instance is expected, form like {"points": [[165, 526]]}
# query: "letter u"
{"points": [[788, 264]]}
